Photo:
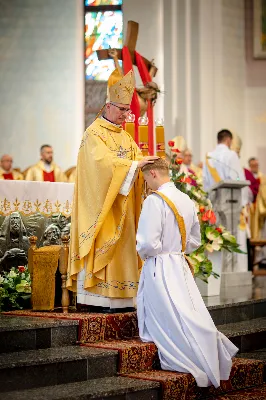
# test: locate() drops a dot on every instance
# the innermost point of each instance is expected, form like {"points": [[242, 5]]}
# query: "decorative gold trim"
{"points": [[30, 207]]}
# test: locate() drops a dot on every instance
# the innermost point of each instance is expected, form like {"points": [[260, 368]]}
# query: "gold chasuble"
{"points": [[103, 228], [38, 173]]}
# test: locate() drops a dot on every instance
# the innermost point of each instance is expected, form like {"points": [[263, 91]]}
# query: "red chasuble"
{"points": [[48, 176], [8, 176]]}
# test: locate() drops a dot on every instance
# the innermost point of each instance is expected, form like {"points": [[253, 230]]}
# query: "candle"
{"points": [[130, 125], [159, 132], [143, 135]]}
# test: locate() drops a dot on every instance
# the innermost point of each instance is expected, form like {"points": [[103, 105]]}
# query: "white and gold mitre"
{"points": [[180, 143], [236, 143], [120, 88]]}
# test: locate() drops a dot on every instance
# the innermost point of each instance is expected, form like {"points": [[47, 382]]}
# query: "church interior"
{"points": [[194, 72]]}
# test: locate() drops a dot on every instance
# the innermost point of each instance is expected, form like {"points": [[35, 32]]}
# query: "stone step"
{"points": [[246, 335], [255, 355], [55, 366], [31, 333], [112, 388], [235, 310]]}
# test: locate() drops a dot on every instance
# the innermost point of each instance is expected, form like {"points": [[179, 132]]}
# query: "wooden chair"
{"points": [[43, 263], [252, 244]]}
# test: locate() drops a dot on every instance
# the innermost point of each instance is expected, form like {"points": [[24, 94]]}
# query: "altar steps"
{"points": [[40, 360]]}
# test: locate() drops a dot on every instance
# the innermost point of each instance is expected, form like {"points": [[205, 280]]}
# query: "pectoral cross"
{"points": [[122, 153], [130, 42]]}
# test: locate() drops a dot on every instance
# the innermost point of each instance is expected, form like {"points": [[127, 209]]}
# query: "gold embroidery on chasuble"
{"points": [[104, 240]]}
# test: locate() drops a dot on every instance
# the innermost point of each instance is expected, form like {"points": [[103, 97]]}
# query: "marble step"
{"points": [[112, 388], [55, 366], [234, 310], [255, 355], [31, 333], [246, 335]]}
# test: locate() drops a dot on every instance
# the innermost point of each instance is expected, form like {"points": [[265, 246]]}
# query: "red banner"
{"points": [[135, 107]]}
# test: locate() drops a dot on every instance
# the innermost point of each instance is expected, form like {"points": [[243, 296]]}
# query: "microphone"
{"points": [[226, 165]]}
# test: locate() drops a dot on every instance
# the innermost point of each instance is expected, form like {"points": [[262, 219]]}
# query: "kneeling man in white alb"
{"points": [[171, 312]]}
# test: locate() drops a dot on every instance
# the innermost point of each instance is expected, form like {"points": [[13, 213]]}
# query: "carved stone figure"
{"points": [[66, 230], [59, 220], [14, 243], [51, 235]]}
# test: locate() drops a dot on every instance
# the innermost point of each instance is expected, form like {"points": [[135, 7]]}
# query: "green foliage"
{"points": [[15, 289]]}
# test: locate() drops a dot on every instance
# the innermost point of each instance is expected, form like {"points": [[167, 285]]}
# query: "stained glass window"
{"points": [[103, 2], [103, 30]]}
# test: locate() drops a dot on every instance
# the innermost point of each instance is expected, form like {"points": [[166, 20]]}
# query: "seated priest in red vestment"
{"points": [[6, 171], [46, 170], [254, 176]]}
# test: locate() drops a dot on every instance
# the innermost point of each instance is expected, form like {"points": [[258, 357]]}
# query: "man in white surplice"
{"points": [[222, 163], [171, 312]]}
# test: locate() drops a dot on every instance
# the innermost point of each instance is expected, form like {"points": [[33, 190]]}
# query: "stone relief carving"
{"points": [[16, 229], [14, 243]]}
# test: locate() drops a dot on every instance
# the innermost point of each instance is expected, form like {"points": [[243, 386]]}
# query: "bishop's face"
{"points": [[117, 113]]}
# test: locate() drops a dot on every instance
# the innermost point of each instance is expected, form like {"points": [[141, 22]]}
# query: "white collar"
{"points": [[112, 123], [164, 185], [222, 146]]}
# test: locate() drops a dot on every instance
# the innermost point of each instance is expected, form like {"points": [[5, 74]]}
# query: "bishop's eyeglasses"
{"points": [[122, 109]]}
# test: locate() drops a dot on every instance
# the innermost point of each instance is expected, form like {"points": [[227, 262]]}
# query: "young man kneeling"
{"points": [[171, 312]]}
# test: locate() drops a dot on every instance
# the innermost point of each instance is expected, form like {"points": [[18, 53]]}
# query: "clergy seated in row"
{"points": [[257, 209], [254, 176], [222, 163], [103, 266], [6, 169], [46, 170]]}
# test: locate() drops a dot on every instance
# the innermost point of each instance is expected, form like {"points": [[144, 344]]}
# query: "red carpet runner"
{"points": [[93, 327]]}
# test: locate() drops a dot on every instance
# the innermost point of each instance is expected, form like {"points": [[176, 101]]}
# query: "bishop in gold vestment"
{"points": [[103, 263]]}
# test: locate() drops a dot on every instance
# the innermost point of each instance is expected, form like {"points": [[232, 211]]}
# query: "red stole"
{"points": [[8, 176], [48, 176]]}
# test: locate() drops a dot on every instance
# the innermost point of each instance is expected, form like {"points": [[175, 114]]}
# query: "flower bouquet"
{"points": [[15, 289], [213, 238]]}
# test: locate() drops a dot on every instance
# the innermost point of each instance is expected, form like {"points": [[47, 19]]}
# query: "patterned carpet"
{"points": [[244, 374], [140, 360], [134, 355], [93, 327], [257, 393]]}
